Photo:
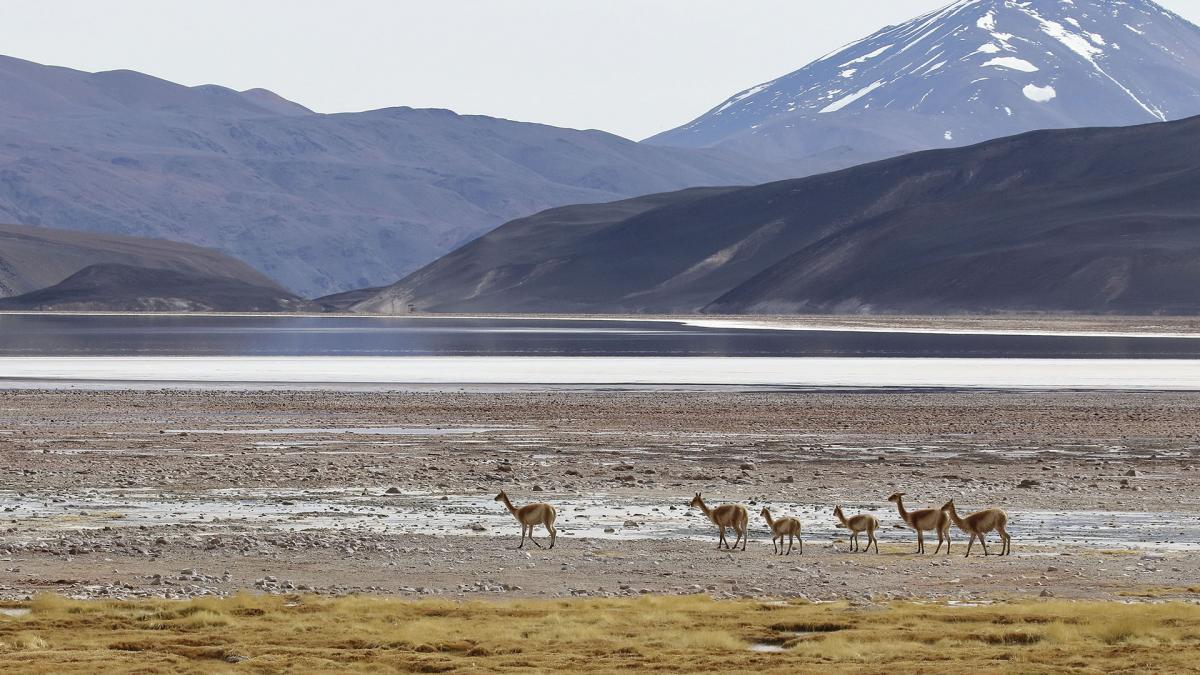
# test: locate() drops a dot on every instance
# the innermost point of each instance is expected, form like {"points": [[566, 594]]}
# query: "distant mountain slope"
{"points": [[35, 257], [123, 288], [971, 71], [508, 267], [321, 203], [1086, 220]]}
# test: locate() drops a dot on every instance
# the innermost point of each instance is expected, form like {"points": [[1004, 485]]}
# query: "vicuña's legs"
{"points": [[522, 544], [983, 542], [853, 541], [535, 541], [801, 540], [969, 545], [1005, 547], [553, 534], [871, 538], [721, 540], [920, 541]]}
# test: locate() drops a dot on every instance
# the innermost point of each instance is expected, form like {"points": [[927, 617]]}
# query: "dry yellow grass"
{"points": [[673, 634]]}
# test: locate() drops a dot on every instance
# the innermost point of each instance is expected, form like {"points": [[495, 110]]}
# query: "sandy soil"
{"points": [[177, 494]]}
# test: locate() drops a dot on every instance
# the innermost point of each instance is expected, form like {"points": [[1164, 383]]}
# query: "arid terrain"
{"points": [[176, 494]]}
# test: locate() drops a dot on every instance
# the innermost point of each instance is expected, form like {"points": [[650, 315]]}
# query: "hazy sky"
{"points": [[633, 67]]}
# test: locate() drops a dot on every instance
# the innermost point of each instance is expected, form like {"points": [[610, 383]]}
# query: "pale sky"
{"points": [[632, 67]]}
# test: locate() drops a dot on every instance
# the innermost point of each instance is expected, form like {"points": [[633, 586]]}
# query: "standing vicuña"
{"points": [[530, 516], [979, 524], [729, 515], [923, 520], [858, 524], [789, 527]]}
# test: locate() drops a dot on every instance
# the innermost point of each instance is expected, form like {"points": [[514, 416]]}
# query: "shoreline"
{"points": [[1037, 325]]}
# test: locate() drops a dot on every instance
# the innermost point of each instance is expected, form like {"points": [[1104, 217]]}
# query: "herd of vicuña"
{"points": [[735, 517]]}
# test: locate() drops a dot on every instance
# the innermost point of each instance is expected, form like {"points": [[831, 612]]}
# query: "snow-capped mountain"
{"points": [[971, 71]]}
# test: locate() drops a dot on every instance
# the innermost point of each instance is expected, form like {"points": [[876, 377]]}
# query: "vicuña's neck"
{"points": [[770, 520], [508, 504], [900, 507], [842, 518], [954, 515], [705, 509]]}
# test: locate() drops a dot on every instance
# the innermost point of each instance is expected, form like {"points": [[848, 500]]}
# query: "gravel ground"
{"points": [[178, 493]]}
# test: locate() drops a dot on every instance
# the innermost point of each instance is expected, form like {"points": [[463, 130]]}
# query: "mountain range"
{"points": [[320, 203], [340, 205], [1103, 220]]}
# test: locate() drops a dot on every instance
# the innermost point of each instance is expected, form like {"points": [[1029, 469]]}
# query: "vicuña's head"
{"points": [[500, 497], [696, 501], [765, 512], [895, 497], [948, 505], [837, 512]]}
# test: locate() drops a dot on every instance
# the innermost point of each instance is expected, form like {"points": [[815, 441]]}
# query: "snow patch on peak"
{"points": [[1013, 63], [866, 57], [744, 95], [987, 21], [1073, 41], [1039, 94], [847, 100]]}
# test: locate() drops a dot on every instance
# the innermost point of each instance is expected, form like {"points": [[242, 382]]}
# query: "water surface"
{"points": [[158, 335]]}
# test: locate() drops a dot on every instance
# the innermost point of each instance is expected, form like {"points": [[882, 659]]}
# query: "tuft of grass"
{"points": [[201, 618], [48, 603], [668, 634], [23, 642]]}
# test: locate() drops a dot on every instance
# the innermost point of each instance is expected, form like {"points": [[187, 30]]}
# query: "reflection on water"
{"points": [[50, 335]]}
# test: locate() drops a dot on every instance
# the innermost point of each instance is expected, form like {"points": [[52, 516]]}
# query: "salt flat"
{"points": [[1100, 374]]}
